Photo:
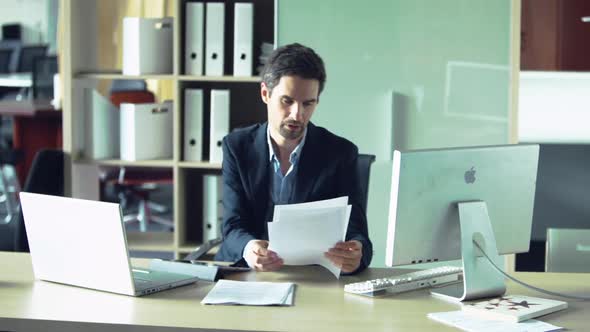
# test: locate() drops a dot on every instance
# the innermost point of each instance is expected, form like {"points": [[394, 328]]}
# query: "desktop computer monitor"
{"points": [[442, 200]]}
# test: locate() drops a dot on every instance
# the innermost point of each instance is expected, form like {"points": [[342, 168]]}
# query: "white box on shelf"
{"points": [[219, 124], [101, 126], [243, 34], [147, 45], [146, 131]]}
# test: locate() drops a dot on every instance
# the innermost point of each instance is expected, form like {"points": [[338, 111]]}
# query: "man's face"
{"points": [[290, 105]]}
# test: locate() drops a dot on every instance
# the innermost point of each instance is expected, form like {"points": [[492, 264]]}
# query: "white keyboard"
{"points": [[407, 282]]}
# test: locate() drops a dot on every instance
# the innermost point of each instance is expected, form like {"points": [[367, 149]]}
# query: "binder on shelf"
{"points": [[193, 125], [147, 45], [214, 38], [243, 34], [219, 124], [212, 207], [194, 33], [146, 131], [101, 124]]}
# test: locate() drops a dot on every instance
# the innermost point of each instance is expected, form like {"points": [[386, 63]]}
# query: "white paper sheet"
{"points": [[326, 203], [302, 236], [250, 293], [467, 322]]}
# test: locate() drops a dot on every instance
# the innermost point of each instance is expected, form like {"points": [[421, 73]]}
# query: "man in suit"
{"points": [[288, 160]]}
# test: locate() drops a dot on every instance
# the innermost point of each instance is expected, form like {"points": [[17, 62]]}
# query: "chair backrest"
{"points": [[14, 46], [5, 56], [28, 54], [44, 67], [46, 176], [363, 168], [568, 250]]}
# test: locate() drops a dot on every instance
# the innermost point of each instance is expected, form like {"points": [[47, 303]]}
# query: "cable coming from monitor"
{"points": [[540, 290]]}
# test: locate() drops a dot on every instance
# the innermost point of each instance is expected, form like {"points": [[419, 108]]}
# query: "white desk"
{"points": [[320, 305], [16, 80]]}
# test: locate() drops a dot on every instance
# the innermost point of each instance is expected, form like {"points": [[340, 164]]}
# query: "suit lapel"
{"points": [[307, 171], [260, 171]]}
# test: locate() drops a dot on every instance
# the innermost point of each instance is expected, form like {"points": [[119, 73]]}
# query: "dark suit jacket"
{"points": [[326, 169]]}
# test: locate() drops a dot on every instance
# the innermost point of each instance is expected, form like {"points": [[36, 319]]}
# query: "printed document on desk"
{"points": [[301, 236], [251, 293], [467, 322]]}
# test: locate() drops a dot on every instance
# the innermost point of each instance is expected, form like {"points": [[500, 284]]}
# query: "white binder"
{"points": [[243, 34], [219, 124], [193, 125], [194, 33], [101, 134], [146, 131], [212, 207], [147, 45], [214, 38]]}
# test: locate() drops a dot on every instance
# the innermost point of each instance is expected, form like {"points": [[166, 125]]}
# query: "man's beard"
{"points": [[289, 133]]}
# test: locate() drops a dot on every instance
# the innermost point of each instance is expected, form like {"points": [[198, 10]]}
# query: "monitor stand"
{"points": [[480, 279]]}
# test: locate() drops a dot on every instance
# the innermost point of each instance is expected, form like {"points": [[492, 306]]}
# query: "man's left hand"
{"points": [[346, 255]]}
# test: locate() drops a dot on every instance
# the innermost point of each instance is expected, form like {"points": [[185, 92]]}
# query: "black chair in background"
{"points": [[11, 31], [45, 177], [28, 53], [363, 169], [14, 46], [44, 67], [5, 56]]}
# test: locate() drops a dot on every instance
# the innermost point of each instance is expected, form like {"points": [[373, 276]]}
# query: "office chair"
{"points": [[45, 177], [27, 56], [14, 46], [44, 67], [568, 250], [363, 169], [5, 56], [135, 184]]}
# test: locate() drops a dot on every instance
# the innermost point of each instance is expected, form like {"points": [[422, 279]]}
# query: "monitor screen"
{"points": [[428, 186]]}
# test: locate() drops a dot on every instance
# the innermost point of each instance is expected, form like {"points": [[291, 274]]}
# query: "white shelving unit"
{"points": [[91, 55]]}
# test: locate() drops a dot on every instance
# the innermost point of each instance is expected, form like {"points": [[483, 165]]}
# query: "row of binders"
{"points": [[148, 42], [193, 124], [144, 131], [205, 28]]}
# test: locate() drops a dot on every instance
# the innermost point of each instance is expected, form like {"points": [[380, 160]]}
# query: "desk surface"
{"points": [[320, 303], [28, 108], [16, 80]]}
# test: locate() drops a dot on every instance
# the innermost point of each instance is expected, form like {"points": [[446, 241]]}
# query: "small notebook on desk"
{"points": [[514, 308], [251, 293]]}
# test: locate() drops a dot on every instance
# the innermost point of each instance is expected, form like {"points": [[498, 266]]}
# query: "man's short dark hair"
{"points": [[293, 60]]}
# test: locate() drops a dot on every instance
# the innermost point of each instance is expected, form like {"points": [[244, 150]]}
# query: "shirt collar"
{"points": [[294, 157]]}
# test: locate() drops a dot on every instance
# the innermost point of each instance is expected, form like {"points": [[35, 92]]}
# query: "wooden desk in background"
{"points": [[320, 304], [36, 126]]}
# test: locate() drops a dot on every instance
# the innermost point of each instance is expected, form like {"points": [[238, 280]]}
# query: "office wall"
{"points": [[407, 74]]}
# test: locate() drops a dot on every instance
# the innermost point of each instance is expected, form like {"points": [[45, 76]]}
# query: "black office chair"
{"points": [[45, 177], [363, 169], [27, 54], [5, 56], [44, 67], [14, 46]]}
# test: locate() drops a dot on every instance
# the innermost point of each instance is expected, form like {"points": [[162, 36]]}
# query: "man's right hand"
{"points": [[258, 256]]}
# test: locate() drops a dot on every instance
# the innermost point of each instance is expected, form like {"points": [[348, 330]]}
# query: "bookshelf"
{"points": [[91, 56]]}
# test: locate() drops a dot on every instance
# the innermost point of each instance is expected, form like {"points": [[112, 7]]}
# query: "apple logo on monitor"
{"points": [[470, 175]]}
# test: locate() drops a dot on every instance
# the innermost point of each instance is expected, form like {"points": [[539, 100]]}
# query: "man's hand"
{"points": [[258, 256], [346, 255]]}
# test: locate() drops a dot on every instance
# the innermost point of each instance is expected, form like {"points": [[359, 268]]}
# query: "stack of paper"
{"points": [[301, 233], [251, 293]]}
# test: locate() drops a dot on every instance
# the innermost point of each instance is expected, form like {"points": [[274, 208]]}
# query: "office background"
{"points": [[401, 73]]}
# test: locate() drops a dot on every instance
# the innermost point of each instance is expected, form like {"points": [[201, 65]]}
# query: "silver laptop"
{"points": [[82, 243]]}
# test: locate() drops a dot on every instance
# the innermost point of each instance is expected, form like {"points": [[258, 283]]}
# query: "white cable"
{"points": [[540, 290]]}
